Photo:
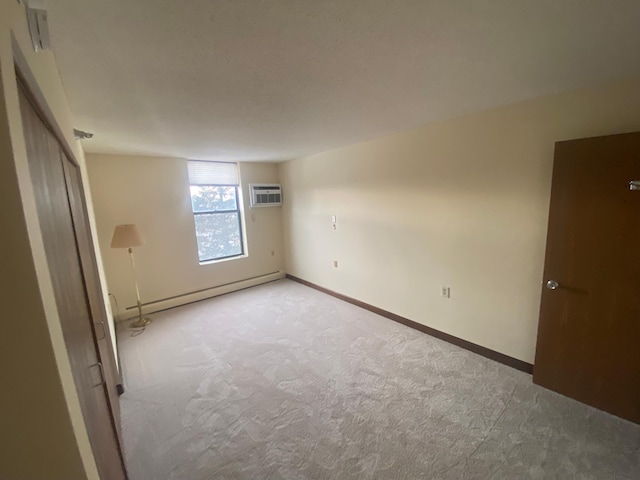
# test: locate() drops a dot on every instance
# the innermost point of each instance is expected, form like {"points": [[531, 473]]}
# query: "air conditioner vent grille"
{"points": [[265, 195]]}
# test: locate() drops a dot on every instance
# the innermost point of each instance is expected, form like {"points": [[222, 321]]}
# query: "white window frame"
{"points": [[238, 209]]}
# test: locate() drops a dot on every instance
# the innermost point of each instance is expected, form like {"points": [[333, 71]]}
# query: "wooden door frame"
{"points": [[28, 83]]}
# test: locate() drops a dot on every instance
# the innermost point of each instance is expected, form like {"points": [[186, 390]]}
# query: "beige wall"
{"points": [[154, 193], [461, 203], [42, 429]]}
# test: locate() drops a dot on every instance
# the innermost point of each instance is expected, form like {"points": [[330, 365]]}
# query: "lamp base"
{"points": [[140, 322]]}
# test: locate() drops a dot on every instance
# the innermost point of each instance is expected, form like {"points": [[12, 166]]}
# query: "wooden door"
{"points": [[94, 290], [589, 332], [62, 248]]}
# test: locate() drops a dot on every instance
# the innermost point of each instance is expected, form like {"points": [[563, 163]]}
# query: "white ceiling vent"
{"points": [[265, 195]]}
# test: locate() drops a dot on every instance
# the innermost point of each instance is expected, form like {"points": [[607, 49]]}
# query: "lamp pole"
{"points": [[128, 236], [142, 321]]}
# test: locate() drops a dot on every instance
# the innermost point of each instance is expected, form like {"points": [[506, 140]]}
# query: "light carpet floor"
{"points": [[283, 382]]}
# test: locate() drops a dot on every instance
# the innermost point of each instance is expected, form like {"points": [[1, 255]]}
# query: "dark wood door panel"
{"points": [[94, 289], [59, 237], [590, 326]]}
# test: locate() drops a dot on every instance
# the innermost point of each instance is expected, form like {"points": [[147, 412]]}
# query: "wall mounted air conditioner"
{"points": [[265, 195]]}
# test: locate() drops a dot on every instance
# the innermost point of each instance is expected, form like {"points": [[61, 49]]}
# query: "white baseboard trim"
{"points": [[183, 299]]}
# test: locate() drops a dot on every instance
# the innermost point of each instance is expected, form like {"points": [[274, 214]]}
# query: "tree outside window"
{"points": [[216, 209]]}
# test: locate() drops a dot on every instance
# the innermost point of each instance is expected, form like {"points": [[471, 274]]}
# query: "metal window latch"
{"points": [[634, 185]]}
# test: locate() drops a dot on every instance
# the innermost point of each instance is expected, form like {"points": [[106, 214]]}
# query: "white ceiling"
{"points": [[279, 79]]}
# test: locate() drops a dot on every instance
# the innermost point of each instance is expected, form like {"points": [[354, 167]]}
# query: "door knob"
{"points": [[552, 284]]}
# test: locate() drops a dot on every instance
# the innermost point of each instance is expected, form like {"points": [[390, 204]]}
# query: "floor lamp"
{"points": [[128, 236]]}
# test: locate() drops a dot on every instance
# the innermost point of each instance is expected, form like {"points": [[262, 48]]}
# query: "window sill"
{"points": [[229, 259]]}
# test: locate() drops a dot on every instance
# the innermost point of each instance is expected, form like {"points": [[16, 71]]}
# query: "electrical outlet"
{"points": [[446, 292], [335, 264]]}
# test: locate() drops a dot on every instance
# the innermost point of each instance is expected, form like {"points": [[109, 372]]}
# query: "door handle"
{"points": [[104, 331], [103, 379], [552, 284]]}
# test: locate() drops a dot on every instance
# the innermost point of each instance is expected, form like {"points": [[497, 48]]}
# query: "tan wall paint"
{"points": [[153, 192], [462, 203], [43, 432]]}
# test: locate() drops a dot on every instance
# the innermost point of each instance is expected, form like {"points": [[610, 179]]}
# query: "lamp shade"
{"points": [[126, 236]]}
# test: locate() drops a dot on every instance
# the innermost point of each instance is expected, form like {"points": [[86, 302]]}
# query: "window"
{"points": [[216, 209]]}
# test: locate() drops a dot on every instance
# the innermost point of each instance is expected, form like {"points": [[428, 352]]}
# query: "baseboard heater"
{"points": [[190, 297]]}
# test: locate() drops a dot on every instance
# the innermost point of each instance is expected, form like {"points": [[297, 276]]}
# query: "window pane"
{"points": [[218, 235], [212, 199]]}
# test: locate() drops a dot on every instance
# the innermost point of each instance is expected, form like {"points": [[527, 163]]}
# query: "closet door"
{"points": [[70, 289], [92, 282]]}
